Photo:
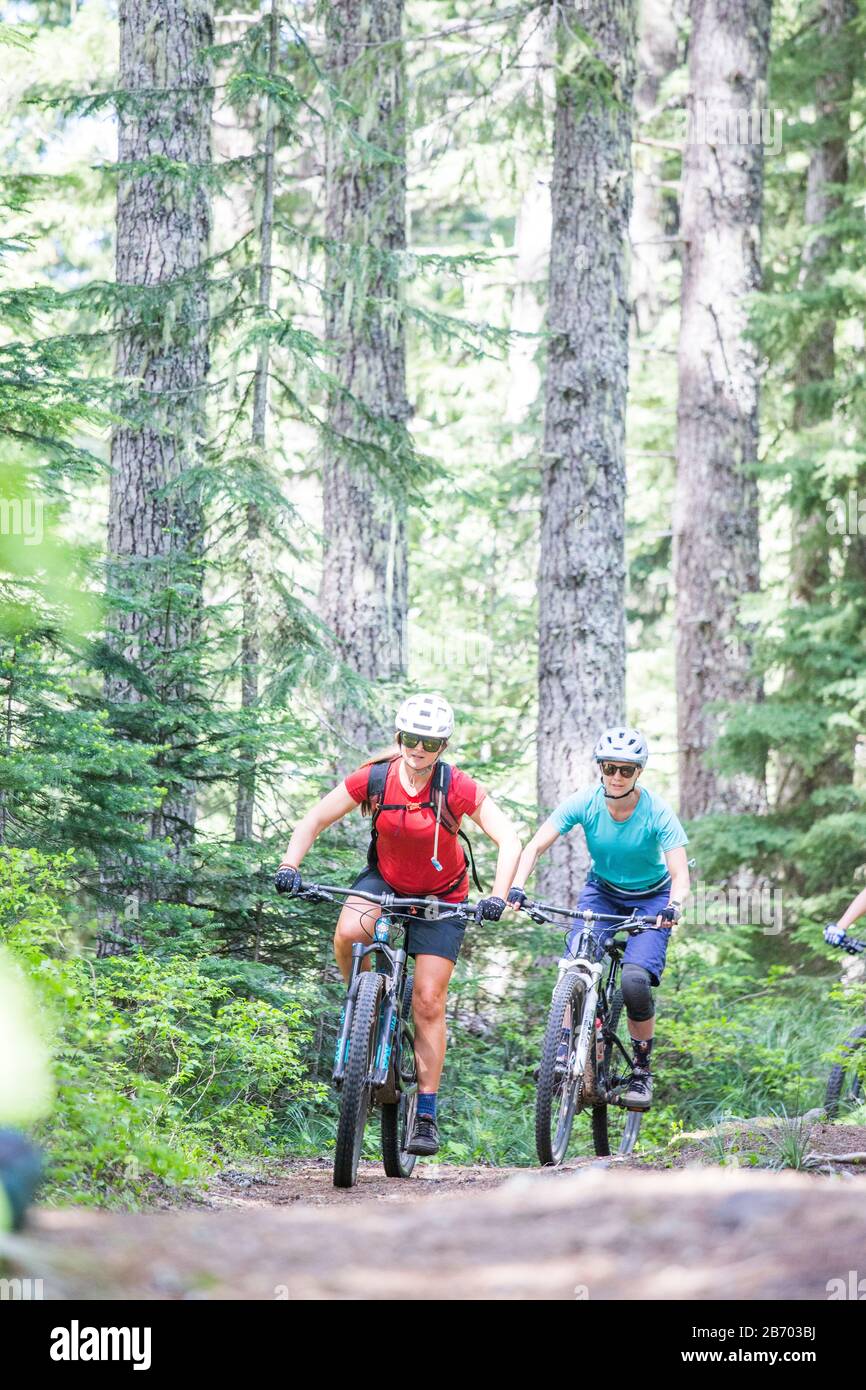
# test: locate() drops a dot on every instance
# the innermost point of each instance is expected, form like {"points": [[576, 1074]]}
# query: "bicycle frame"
{"points": [[390, 962], [587, 958], [588, 961]]}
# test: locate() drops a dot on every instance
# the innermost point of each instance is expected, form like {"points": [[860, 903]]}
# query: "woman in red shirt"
{"points": [[415, 852]]}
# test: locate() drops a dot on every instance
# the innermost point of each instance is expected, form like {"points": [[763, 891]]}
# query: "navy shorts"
{"points": [[648, 948], [442, 937]]}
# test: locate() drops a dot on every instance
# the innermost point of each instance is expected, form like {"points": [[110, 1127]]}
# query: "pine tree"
{"points": [[364, 582], [251, 643], [581, 679], [716, 550]]}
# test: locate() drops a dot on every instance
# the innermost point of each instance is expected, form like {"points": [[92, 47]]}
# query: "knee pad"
{"points": [[637, 994]]}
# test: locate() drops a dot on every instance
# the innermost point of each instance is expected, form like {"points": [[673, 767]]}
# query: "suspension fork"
{"points": [[388, 1019], [348, 1013], [359, 953], [590, 973]]}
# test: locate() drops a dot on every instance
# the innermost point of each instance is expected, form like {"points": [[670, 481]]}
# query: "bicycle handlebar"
{"points": [[324, 892], [538, 912], [851, 945]]}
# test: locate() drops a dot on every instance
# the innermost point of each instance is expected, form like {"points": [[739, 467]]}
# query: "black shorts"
{"points": [[444, 937]]}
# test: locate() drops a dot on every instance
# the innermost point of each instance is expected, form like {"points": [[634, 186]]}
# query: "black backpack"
{"points": [[440, 785]]}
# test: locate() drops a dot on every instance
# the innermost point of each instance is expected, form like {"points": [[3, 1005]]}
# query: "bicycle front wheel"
{"points": [[615, 1129], [356, 1091], [558, 1083], [844, 1087]]}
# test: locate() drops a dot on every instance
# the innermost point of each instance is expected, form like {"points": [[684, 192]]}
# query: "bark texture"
{"points": [[532, 228], [582, 562], [716, 551], [657, 56], [254, 560], [363, 595], [163, 226]]}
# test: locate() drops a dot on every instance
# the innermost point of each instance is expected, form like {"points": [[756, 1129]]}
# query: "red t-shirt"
{"points": [[406, 836]]}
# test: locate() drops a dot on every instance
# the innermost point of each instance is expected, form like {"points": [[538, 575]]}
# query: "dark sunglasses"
{"points": [[611, 769], [430, 745]]}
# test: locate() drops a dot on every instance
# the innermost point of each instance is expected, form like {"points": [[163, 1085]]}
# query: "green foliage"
{"points": [[164, 1066]]}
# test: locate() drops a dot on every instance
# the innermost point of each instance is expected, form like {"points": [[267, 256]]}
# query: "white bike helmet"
{"points": [[431, 716], [623, 745]]}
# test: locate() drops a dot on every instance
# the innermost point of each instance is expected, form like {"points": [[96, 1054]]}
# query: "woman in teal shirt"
{"points": [[637, 847]]}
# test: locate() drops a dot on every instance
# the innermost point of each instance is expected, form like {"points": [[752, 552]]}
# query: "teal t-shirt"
{"points": [[628, 853]]}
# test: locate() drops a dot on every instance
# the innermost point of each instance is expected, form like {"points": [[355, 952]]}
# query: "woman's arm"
{"points": [[853, 912], [678, 865], [543, 838], [334, 806], [500, 828]]}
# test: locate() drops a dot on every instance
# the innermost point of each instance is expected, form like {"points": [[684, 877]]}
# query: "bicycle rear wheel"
{"points": [[559, 1087], [355, 1094], [398, 1120], [844, 1087], [615, 1129]]}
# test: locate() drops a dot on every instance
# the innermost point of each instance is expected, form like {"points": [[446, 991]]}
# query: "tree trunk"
{"points": [[582, 564], [155, 515], [531, 232], [716, 552], [363, 595], [828, 165], [250, 634], [657, 53]]}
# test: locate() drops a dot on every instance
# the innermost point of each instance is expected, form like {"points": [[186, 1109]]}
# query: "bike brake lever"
{"points": [[312, 895]]}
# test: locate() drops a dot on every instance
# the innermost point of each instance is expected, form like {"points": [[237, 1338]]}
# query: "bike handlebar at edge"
{"points": [[851, 945]]}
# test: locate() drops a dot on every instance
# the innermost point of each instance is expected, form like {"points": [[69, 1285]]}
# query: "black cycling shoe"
{"points": [[425, 1137], [639, 1095]]}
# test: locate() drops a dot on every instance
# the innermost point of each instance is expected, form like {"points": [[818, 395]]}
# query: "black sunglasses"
{"points": [[611, 769], [430, 745]]}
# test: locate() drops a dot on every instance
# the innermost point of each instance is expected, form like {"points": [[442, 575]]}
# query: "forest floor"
{"points": [[674, 1224]]}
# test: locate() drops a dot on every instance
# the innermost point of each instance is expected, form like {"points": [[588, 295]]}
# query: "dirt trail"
{"points": [[594, 1228]]}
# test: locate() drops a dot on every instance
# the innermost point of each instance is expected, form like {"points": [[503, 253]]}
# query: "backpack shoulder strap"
{"points": [[377, 776], [442, 778], [443, 773]]}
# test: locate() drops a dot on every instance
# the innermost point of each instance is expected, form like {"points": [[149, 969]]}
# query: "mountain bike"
{"points": [[585, 1059], [845, 1084], [374, 1059]]}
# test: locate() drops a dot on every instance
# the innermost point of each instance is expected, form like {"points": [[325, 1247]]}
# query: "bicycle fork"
{"points": [[387, 1024], [344, 1033], [586, 1029], [387, 1018]]}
